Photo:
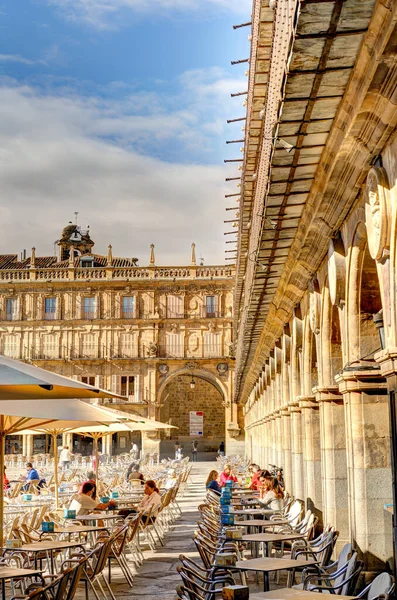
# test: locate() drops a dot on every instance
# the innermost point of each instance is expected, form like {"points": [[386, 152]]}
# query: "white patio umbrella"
{"points": [[13, 420], [129, 417], [99, 431], [22, 381], [77, 414]]}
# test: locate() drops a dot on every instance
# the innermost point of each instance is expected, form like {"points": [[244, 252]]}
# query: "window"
{"points": [[50, 308], [89, 308], [89, 379], [174, 344], [212, 345], [86, 262], [127, 345], [11, 309], [50, 346], [11, 346], [175, 307], [89, 346], [210, 306], [127, 386], [128, 307]]}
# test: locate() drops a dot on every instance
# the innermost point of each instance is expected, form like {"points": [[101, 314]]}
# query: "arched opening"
{"points": [[370, 304], [181, 399]]}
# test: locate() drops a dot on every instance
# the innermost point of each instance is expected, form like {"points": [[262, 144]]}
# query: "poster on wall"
{"points": [[196, 422]]}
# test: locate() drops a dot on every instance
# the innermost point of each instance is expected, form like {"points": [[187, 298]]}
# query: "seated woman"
{"points": [[134, 474], [212, 483], [150, 504], [273, 495], [227, 475], [254, 470], [171, 479], [83, 503]]}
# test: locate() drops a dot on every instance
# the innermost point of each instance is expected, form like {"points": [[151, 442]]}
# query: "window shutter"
{"points": [[98, 381], [137, 391], [116, 384]]}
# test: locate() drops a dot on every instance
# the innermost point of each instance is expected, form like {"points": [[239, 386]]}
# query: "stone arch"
{"points": [[177, 399], [330, 339], [363, 297]]}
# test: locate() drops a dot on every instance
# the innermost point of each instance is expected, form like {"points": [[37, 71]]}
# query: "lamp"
{"points": [[192, 383], [378, 322]]}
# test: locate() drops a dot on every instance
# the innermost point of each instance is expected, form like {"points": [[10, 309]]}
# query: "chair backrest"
{"points": [[381, 586], [294, 512], [344, 555], [351, 565]]}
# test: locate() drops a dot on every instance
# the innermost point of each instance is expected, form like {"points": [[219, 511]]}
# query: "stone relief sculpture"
{"points": [[152, 349], [376, 211]]}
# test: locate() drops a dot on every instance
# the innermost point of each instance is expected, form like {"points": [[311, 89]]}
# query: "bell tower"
{"points": [[73, 236]]}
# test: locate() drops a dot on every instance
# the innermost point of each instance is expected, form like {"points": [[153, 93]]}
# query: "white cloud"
{"points": [[99, 13], [71, 153], [16, 58]]}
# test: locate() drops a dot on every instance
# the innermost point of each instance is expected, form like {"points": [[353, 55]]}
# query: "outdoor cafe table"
{"points": [[15, 573], [47, 546], [268, 565], [256, 511], [270, 538], [79, 529], [98, 517], [254, 523], [291, 594]]}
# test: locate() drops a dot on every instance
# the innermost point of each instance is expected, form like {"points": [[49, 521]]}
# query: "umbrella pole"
{"points": [[54, 443], [96, 458], [2, 453]]}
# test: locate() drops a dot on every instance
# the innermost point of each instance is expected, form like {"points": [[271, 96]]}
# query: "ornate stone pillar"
{"points": [[368, 462], [333, 461], [311, 454], [296, 451], [279, 439]]}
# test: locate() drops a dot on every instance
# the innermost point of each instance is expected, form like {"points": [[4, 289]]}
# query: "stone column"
{"points": [[311, 454], [296, 452], [286, 448], [279, 440], [368, 463], [333, 461], [27, 445]]}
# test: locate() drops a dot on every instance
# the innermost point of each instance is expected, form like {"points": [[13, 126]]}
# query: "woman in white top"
{"points": [[272, 495], [65, 457], [151, 502], [84, 504]]}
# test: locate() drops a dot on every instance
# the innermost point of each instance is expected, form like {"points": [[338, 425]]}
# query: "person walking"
{"points": [[65, 458], [221, 449], [134, 451], [194, 450], [177, 450]]}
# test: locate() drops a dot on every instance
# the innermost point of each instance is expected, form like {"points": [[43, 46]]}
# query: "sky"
{"points": [[116, 109]]}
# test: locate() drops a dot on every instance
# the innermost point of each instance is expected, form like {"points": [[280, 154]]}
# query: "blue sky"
{"points": [[117, 109]]}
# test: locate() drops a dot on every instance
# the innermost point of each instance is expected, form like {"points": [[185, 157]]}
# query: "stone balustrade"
{"points": [[109, 273]]}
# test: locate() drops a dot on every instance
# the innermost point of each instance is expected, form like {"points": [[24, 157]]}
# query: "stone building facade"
{"points": [[315, 297], [130, 329]]}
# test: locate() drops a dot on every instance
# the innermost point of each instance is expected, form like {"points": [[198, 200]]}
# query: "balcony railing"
{"points": [[125, 273]]}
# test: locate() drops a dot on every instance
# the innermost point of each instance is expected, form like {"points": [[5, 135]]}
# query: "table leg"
{"points": [[265, 581], [3, 589]]}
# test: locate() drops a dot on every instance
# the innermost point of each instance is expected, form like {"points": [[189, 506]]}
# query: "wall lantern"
{"points": [[192, 384]]}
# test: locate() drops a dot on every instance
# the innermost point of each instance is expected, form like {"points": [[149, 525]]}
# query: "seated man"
{"points": [[32, 476]]}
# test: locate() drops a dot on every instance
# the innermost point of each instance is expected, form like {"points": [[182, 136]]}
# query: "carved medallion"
{"points": [[376, 211], [336, 271], [163, 369], [222, 368]]}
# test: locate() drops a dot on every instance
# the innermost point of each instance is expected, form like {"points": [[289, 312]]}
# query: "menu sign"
{"points": [[196, 422]]}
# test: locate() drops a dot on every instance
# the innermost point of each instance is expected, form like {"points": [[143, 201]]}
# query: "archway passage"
{"points": [[179, 399]]}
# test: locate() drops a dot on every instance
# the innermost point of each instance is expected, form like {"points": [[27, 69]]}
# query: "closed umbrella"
{"points": [[22, 381]]}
